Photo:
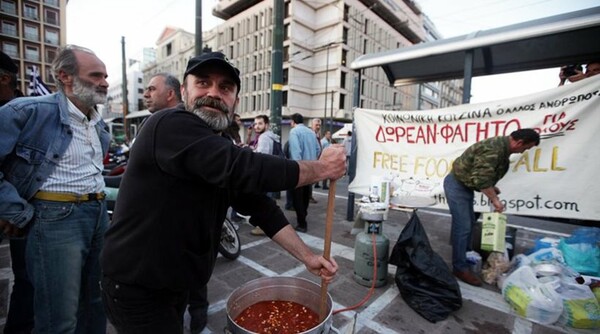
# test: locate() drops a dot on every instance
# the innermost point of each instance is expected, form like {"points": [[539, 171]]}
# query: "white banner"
{"points": [[559, 178]]}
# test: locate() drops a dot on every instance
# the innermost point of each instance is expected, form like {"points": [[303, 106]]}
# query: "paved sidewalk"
{"points": [[483, 311]]}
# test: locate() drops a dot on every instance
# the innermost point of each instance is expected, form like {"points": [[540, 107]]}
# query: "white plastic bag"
{"points": [[531, 298], [546, 255], [580, 307]]}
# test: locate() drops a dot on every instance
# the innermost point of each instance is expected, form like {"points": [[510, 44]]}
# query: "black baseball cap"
{"points": [[214, 59], [7, 64]]}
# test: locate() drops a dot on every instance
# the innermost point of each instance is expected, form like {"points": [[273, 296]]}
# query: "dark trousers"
{"points": [[20, 311], [289, 199], [301, 196], [198, 308], [135, 309]]}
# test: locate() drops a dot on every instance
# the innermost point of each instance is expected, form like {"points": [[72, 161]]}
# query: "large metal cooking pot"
{"points": [[299, 290]]}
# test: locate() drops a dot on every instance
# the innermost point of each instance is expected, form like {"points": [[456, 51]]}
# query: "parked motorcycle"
{"points": [[117, 155], [230, 246]]}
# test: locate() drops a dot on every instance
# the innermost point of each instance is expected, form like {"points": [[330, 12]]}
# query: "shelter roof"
{"points": [[548, 42]]}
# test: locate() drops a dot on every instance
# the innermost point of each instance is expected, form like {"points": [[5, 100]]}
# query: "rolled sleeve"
{"points": [[263, 210]]}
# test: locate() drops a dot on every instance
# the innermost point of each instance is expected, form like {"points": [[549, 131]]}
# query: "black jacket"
{"points": [[180, 180]]}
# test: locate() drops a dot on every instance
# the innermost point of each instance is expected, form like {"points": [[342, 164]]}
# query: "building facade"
{"points": [[321, 39], [135, 94], [174, 48], [31, 32]]}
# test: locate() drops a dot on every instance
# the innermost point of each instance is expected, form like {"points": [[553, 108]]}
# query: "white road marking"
{"points": [[365, 317], [256, 266], [522, 326]]}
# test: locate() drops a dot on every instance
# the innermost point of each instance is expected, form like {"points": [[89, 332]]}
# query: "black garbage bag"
{"points": [[423, 278]]}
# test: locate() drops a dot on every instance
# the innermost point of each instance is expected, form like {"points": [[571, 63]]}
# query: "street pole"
{"points": [[124, 89], [277, 68], [331, 113], [326, 82], [277, 71], [198, 46]]}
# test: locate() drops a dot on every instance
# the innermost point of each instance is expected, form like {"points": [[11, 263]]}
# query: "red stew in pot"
{"points": [[277, 317]]}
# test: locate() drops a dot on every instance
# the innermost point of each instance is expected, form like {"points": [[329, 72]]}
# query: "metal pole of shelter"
{"points": [[468, 76], [352, 166]]}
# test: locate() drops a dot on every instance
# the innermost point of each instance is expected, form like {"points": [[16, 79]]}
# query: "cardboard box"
{"points": [[493, 232]]}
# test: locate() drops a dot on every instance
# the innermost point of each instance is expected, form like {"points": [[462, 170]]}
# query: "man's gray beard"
{"points": [[86, 93], [216, 120]]}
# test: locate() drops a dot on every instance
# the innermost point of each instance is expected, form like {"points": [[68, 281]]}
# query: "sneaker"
{"points": [[257, 231], [300, 229], [467, 277]]}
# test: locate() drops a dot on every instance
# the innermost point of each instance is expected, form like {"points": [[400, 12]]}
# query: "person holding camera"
{"points": [[250, 141], [574, 73]]}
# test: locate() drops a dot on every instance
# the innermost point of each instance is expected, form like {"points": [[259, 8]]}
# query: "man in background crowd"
{"points": [[8, 79], [266, 137], [164, 92], [303, 145], [266, 141], [315, 125], [325, 142], [233, 131], [20, 311], [348, 148]]}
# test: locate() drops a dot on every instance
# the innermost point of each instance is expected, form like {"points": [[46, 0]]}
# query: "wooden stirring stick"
{"points": [[327, 246]]}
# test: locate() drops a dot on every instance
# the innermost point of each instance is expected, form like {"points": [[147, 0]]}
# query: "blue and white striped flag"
{"points": [[36, 86]]}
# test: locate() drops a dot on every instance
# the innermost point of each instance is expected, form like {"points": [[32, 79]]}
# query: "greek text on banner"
{"points": [[414, 150]]}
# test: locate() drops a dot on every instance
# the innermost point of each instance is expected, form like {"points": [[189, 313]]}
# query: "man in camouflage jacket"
{"points": [[479, 168]]}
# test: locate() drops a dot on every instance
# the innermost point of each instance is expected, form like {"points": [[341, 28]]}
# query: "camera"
{"points": [[572, 70]]}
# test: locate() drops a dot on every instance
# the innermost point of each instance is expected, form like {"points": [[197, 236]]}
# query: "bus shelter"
{"points": [[543, 43]]}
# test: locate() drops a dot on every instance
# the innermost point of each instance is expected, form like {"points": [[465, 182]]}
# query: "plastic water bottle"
{"points": [[474, 259]]}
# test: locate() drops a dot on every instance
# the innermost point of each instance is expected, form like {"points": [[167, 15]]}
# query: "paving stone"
{"points": [[385, 311]]}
